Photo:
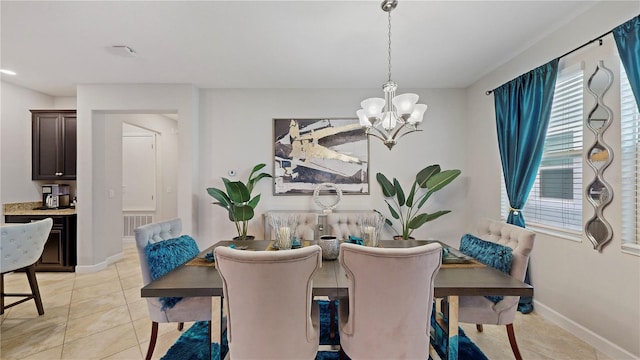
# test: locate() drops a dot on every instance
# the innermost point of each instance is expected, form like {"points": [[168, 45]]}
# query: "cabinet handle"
{"points": [[59, 174]]}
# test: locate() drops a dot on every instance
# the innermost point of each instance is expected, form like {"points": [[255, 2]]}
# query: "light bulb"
{"points": [[417, 114], [388, 120], [364, 121], [404, 103], [373, 107]]}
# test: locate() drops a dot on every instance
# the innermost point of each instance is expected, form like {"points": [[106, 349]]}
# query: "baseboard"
{"points": [[603, 345], [83, 269]]}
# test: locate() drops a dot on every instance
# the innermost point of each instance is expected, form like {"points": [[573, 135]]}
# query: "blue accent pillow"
{"points": [[164, 256], [356, 240], [489, 253]]}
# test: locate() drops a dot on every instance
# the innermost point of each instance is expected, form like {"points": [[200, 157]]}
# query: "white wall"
{"points": [[594, 295], [64, 102], [237, 131], [97, 226], [15, 129]]}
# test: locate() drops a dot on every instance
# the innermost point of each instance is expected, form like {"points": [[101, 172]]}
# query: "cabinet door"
{"points": [[46, 145], [53, 145], [59, 253], [68, 132], [53, 253]]}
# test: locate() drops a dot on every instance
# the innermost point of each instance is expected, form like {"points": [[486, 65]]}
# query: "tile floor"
{"points": [[102, 316]]}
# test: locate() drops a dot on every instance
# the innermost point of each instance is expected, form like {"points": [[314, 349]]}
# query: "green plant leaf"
{"points": [[412, 193], [399, 192], [426, 173], [423, 218], [387, 188], [254, 202], [437, 214], [257, 168], [418, 221], [221, 205], [223, 199], [424, 199], [393, 211], [241, 213], [237, 191], [441, 179], [252, 182]]}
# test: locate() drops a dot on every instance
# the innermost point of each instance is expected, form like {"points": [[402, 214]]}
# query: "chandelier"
{"points": [[391, 118]]}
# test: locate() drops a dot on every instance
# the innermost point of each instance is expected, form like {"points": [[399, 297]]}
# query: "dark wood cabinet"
{"points": [[53, 145], [59, 252]]}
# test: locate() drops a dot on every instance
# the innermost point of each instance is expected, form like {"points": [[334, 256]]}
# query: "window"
{"points": [[555, 199], [630, 131]]}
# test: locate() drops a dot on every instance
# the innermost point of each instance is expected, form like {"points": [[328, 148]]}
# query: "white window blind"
{"points": [[630, 131], [555, 199]]}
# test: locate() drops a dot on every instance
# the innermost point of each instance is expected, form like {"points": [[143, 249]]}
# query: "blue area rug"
{"points": [[467, 350], [192, 344]]}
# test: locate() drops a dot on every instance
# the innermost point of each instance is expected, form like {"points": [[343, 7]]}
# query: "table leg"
{"points": [[452, 344]]}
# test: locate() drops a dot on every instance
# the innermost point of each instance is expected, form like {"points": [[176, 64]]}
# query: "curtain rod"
{"points": [[599, 39]]}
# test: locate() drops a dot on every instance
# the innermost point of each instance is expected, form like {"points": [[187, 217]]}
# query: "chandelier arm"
{"points": [[408, 132], [384, 134], [402, 126], [376, 135]]}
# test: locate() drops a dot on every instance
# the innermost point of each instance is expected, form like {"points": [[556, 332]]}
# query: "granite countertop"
{"points": [[29, 208]]}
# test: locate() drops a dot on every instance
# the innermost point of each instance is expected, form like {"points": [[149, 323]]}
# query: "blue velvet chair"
{"points": [[163, 310], [481, 310]]}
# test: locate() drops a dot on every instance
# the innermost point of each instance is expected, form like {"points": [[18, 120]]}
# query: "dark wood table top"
{"points": [[331, 280]]}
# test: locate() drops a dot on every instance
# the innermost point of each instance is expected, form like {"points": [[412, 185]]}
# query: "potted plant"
{"points": [[406, 209], [237, 199]]}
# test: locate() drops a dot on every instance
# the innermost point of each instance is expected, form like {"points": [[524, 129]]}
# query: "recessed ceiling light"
{"points": [[122, 50], [8, 72]]}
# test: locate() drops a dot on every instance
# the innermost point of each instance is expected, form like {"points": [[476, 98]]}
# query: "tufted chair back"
{"points": [[164, 230], [22, 244], [390, 301], [341, 225], [307, 223], [283, 323], [515, 237]]}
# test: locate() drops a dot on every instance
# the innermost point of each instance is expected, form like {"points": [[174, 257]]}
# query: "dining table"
{"points": [[459, 275]]}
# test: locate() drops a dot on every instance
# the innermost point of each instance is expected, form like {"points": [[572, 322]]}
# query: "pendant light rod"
{"points": [[388, 6], [389, 46]]}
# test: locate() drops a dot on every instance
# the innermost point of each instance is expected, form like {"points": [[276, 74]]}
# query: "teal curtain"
{"points": [[627, 38], [523, 108]]}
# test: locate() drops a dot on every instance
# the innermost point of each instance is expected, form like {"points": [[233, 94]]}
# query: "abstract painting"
{"points": [[308, 152]]}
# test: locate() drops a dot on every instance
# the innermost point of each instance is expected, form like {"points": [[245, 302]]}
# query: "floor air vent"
{"points": [[133, 221]]}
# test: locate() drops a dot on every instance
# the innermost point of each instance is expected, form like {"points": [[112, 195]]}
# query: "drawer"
{"points": [[57, 220]]}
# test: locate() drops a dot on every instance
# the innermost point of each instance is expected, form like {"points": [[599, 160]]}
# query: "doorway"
{"points": [[139, 177]]}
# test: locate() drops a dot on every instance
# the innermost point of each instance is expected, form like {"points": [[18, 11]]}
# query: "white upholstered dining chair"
{"points": [[390, 301], [343, 224], [186, 310], [480, 310], [21, 245], [268, 297], [307, 224]]}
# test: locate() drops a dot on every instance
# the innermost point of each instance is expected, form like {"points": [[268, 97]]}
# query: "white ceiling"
{"points": [[55, 45]]}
